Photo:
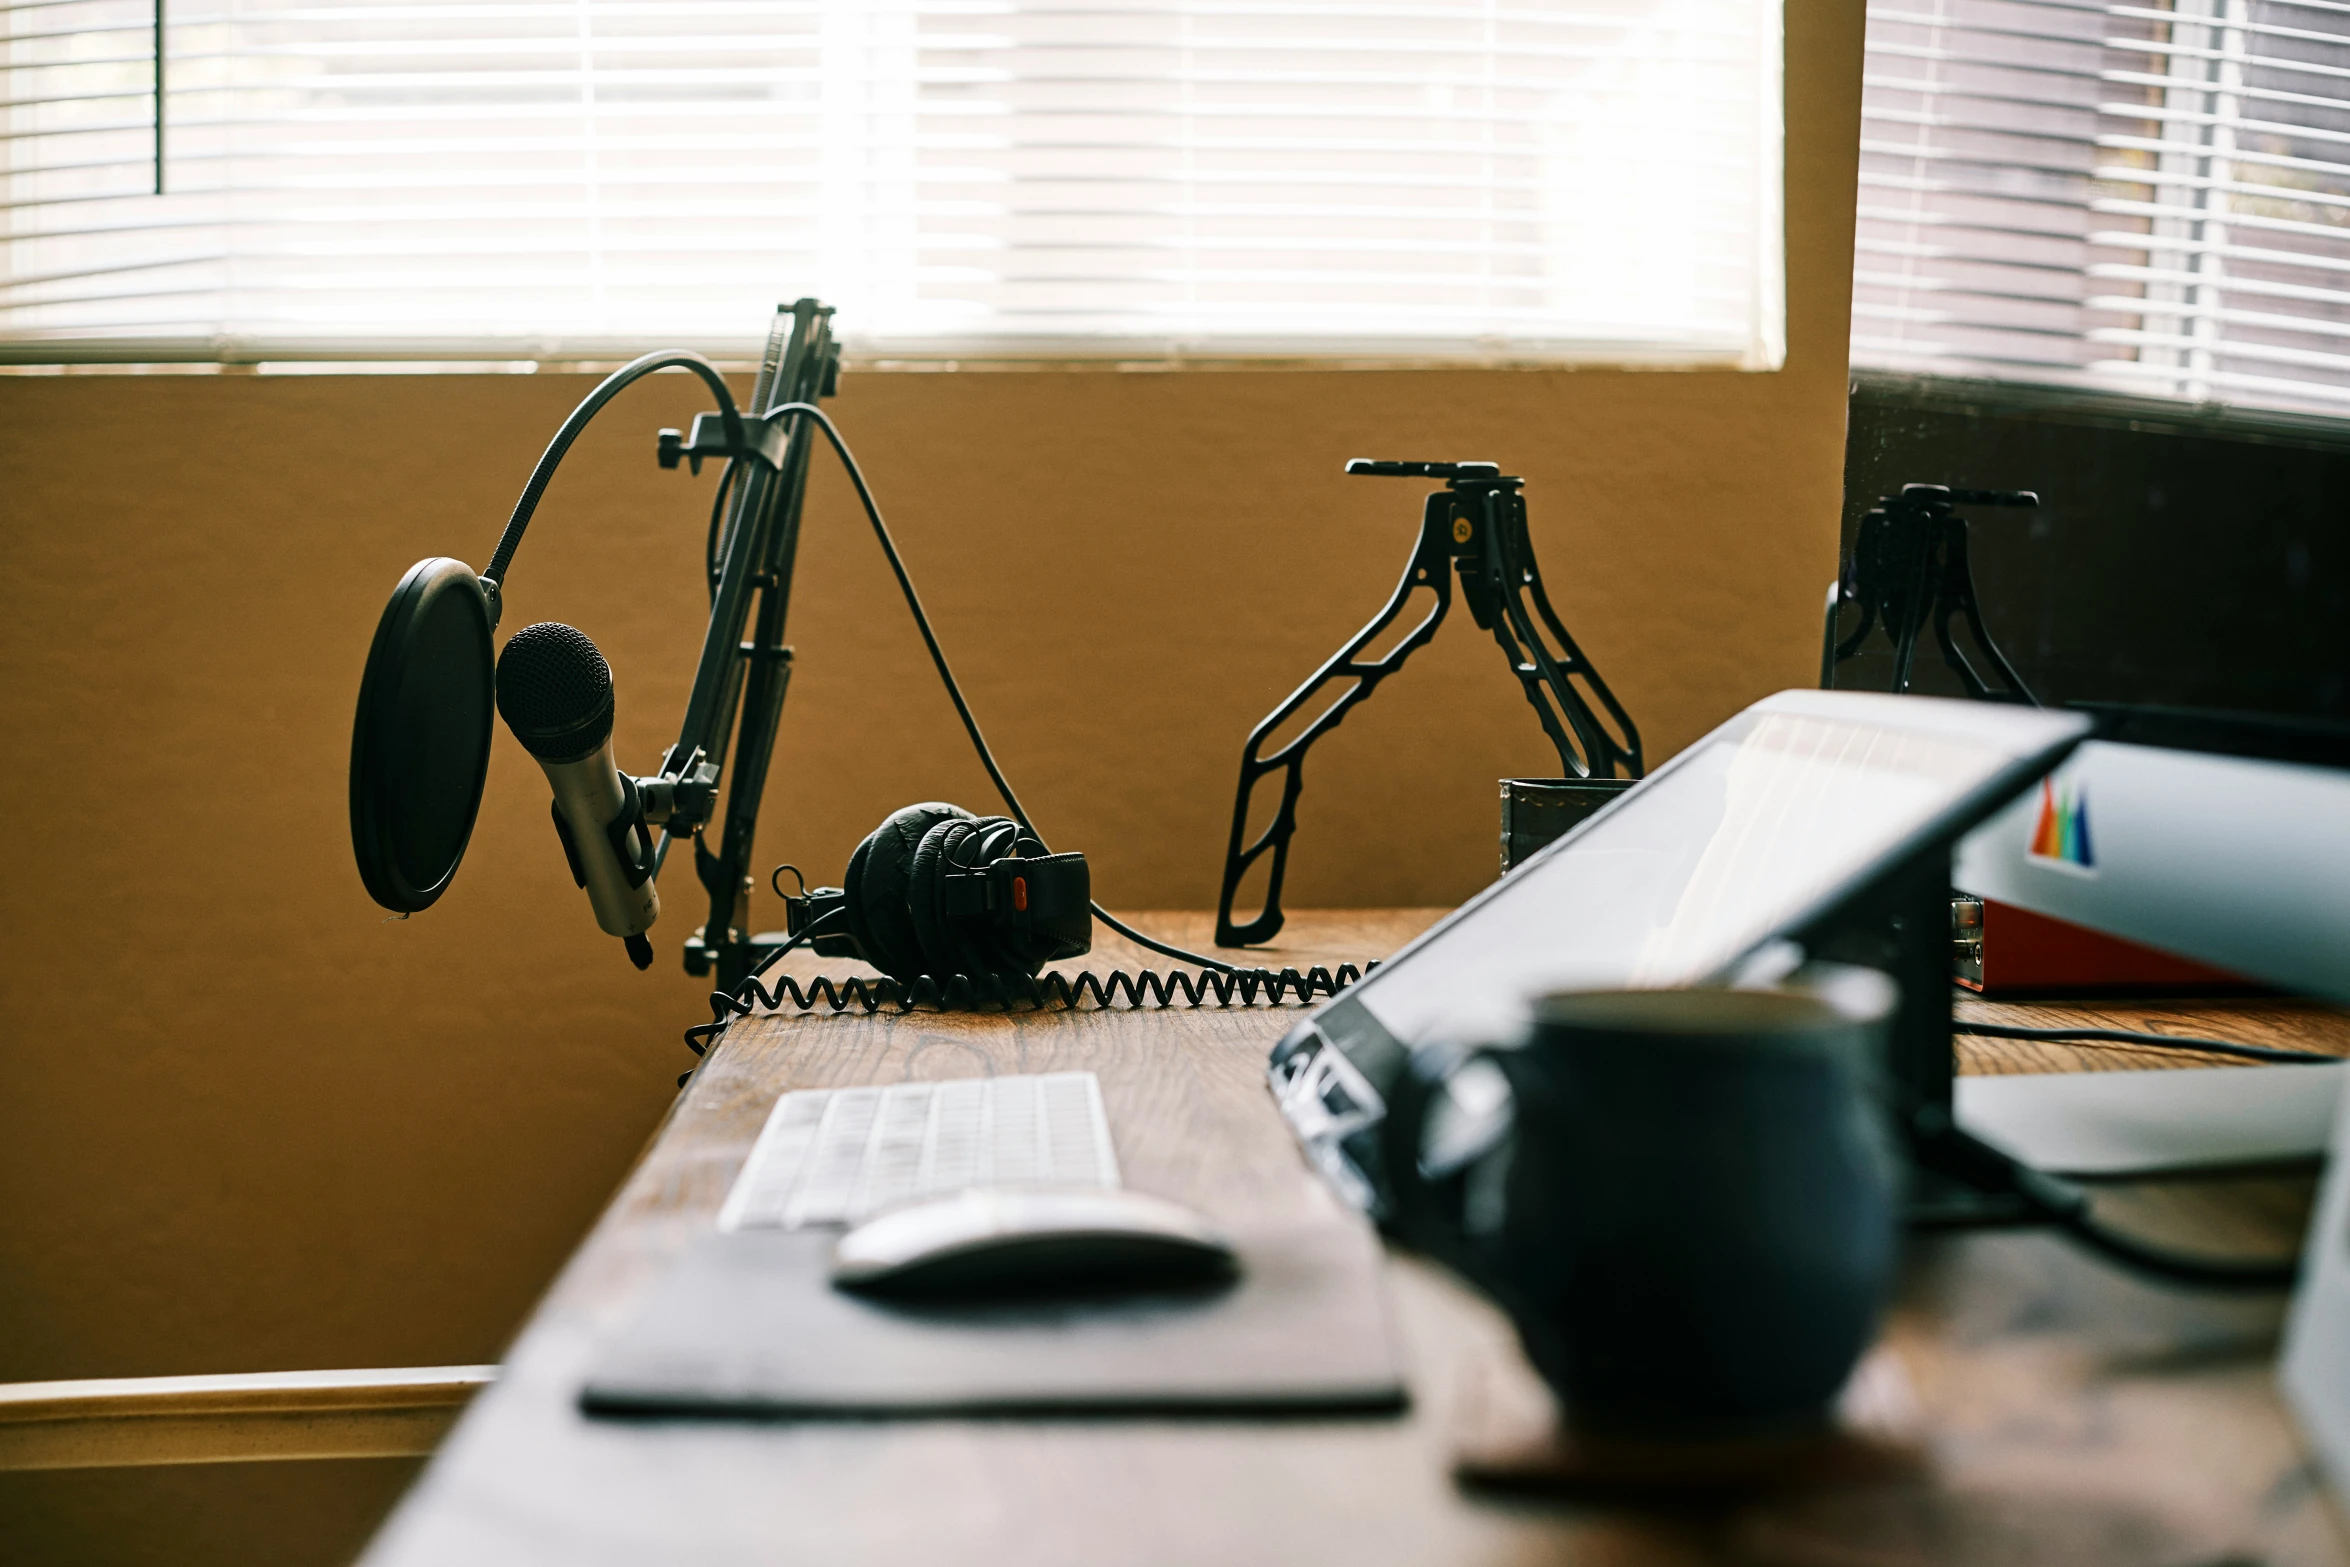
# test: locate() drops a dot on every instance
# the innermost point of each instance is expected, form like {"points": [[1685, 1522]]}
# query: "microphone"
{"points": [[555, 693]]}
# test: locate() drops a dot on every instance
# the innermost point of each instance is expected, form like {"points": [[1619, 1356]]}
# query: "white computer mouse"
{"points": [[1031, 1241]]}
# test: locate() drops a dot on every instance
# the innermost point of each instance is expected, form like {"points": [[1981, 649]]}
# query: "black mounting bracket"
{"points": [[1908, 569], [684, 793], [763, 440], [1474, 527]]}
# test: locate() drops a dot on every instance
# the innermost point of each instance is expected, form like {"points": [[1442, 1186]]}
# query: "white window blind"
{"points": [[2151, 198], [544, 178]]}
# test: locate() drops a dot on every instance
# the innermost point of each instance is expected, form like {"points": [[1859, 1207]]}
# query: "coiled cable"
{"points": [[1224, 983], [1051, 991]]}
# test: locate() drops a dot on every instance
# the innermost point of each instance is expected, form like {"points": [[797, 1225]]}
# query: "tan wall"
{"points": [[247, 1123]]}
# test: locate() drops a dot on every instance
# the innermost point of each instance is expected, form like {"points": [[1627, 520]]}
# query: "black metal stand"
{"points": [[1912, 548], [1901, 926], [1476, 526], [739, 684], [1908, 570]]}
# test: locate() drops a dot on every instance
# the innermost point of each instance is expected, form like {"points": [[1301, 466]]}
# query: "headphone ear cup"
{"points": [[967, 943], [852, 883], [926, 900], [877, 882], [997, 837]]}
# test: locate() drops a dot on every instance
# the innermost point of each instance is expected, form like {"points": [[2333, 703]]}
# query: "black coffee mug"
{"points": [[1686, 1200]]}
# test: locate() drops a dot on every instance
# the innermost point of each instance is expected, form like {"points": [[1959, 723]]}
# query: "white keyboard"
{"points": [[837, 1155]]}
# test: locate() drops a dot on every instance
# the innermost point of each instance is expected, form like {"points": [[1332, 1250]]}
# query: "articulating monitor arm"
{"points": [[1475, 526], [1909, 569]]}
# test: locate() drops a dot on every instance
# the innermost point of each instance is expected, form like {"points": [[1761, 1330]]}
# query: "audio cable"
{"points": [[2143, 1041], [725, 1008], [2065, 1205], [1223, 984], [1051, 991], [954, 689]]}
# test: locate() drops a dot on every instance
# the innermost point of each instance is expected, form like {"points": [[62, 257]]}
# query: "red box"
{"points": [[2000, 950]]}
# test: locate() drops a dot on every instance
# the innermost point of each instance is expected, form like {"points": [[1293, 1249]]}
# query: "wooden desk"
{"points": [[2075, 1415]]}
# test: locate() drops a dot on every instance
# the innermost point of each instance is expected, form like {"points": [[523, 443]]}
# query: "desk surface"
{"points": [[2073, 1415]]}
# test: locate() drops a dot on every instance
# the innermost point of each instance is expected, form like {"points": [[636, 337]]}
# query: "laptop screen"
{"points": [[1764, 826], [1754, 825]]}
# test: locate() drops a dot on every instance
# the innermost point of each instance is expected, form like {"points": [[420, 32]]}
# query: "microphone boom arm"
{"points": [[740, 682]]}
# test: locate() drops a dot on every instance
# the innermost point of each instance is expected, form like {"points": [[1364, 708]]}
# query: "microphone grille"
{"points": [[555, 691]]}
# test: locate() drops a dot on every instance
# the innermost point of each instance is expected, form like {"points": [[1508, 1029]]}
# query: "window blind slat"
{"points": [[2265, 62], [2260, 288], [1988, 62], [2243, 24], [2297, 194], [2248, 318]]}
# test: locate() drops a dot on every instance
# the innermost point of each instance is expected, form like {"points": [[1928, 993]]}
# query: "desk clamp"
{"points": [[1475, 526]]}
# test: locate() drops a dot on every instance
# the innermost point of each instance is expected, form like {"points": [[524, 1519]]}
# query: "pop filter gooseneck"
{"points": [[610, 387], [420, 745]]}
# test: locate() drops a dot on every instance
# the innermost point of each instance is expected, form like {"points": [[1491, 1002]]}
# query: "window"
{"points": [[2141, 197], [582, 178]]}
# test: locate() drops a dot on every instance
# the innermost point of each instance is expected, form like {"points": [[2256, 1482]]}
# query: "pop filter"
{"points": [[420, 748]]}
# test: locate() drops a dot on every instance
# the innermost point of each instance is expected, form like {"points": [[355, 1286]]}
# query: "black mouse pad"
{"points": [[748, 1323]]}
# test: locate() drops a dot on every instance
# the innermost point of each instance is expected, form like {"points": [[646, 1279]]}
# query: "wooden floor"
{"points": [[2069, 1414]]}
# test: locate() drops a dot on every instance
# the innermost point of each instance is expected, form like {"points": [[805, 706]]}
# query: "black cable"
{"points": [[1165, 949], [711, 543], [2067, 1207], [2120, 1036], [946, 675], [724, 1008], [1049, 991], [2162, 1263], [1942, 1145]]}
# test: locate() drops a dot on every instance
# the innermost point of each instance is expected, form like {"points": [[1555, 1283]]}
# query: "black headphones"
{"points": [[936, 890]]}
